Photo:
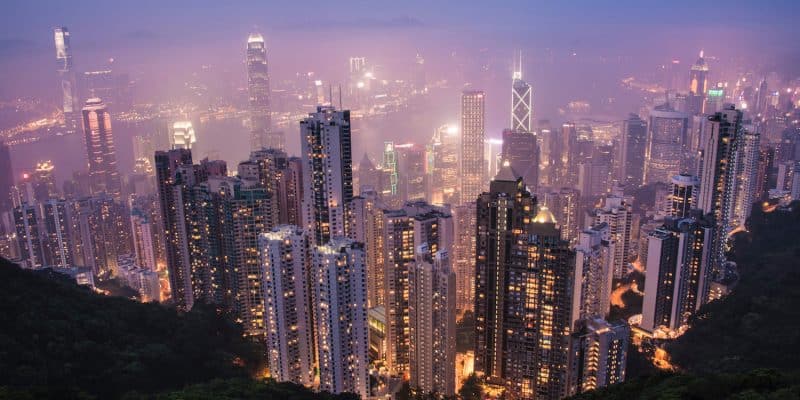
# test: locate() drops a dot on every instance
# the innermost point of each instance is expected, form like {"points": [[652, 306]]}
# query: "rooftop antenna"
{"points": [[340, 97], [330, 94]]}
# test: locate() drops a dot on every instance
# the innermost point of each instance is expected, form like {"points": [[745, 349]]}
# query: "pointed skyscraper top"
{"points": [[506, 173]]}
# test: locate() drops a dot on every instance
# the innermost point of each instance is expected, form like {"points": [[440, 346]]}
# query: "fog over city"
{"points": [[394, 200]]}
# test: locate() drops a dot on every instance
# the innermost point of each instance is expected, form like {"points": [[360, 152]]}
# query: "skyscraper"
{"points": [[432, 323], [167, 165], [286, 260], [521, 102], [463, 256], [746, 173], [538, 318], [718, 175], [678, 268], [593, 274], [565, 206], [66, 76], [682, 197], [618, 214], [472, 138], [522, 152], [339, 298], [444, 171], [406, 230], [599, 355], [100, 152], [666, 137], [258, 89], [503, 215], [698, 85], [327, 173], [634, 148]]}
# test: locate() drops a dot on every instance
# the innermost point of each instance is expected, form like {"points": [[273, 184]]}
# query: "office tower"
{"points": [[546, 138], [44, 181], [100, 153], [444, 171], [390, 179], [698, 84], [565, 206], [432, 323], [665, 140], [593, 274], [538, 318], [183, 136], [55, 237], [412, 182], [327, 172], [339, 298], [522, 152], [99, 233], [26, 224], [718, 175], [502, 218], [521, 102], [634, 148], [404, 231], [679, 257], [66, 76], [594, 172], [6, 177], [142, 232], [599, 355], [564, 147], [617, 213], [766, 163], [366, 221], [746, 173], [258, 89], [472, 138], [420, 76], [286, 260], [463, 255], [167, 165], [682, 196]]}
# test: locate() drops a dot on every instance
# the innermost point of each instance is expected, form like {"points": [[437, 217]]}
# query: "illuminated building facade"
{"points": [[327, 172], [682, 197], [618, 214], [599, 355], [100, 152], [339, 298], [698, 85], [503, 215], [418, 224], [473, 110], [521, 102], [432, 323], [678, 261], [258, 89], [463, 256], [593, 274], [634, 148], [444, 171], [665, 140], [286, 260], [183, 136], [66, 76]]}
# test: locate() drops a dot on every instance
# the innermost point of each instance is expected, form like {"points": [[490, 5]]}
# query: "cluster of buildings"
{"points": [[348, 273]]}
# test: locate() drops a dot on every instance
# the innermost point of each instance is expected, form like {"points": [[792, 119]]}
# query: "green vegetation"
{"points": [[58, 340], [744, 346]]}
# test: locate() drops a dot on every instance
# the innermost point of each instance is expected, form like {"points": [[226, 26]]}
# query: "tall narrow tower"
{"points": [[100, 153], [66, 76], [258, 89], [473, 110], [521, 101], [327, 173]]}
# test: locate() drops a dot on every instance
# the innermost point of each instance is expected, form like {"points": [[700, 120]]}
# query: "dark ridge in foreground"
{"points": [[62, 341]]}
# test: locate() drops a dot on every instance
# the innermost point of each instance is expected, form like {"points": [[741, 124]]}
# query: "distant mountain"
{"points": [[744, 346], [62, 341]]}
